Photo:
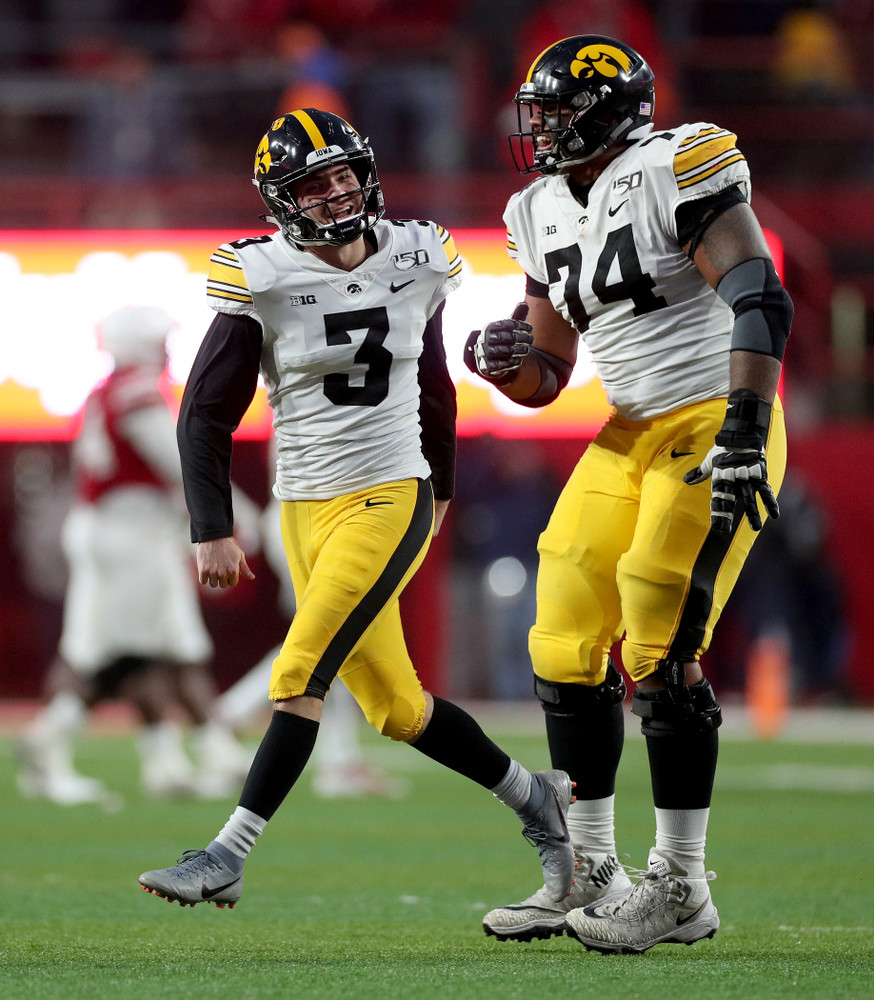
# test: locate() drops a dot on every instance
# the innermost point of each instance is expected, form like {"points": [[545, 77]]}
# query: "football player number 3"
{"points": [[634, 284], [371, 353]]}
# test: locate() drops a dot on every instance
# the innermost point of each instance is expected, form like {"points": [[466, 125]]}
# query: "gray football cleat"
{"points": [[547, 830], [666, 906], [598, 877], [198, 877]]}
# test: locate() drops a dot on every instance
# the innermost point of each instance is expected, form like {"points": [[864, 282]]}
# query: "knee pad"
{"points": [[668, 713], [400, 721], [578, 699]]}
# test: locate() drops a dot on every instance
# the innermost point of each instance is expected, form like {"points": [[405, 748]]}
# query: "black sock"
{"points": [[278, 764], [588, 745], [682, 768], [454, 739]]}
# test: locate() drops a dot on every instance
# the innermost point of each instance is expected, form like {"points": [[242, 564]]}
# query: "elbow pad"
{"points": [[761, 306], [554, 376]]}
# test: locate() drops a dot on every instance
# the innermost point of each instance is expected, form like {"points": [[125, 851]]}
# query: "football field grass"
{"points": [[383, 899]]}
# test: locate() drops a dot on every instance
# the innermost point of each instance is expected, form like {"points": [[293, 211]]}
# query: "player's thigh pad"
{"points": [[384, 681], [349, 559], [677, 574]]}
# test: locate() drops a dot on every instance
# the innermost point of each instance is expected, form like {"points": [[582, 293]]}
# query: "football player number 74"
{"points": [[634, 284]]}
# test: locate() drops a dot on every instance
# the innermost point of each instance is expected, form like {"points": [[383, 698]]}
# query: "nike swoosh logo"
{"points": [[612, 211], [209, 893], [685, 920], [397, 288], [377, 503], [680, 454]]}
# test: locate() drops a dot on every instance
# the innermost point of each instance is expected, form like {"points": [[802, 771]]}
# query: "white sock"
{"points": [[60, 720], [514, 789], [238, 835], [591, 826], [681, 834], [160, 738]]}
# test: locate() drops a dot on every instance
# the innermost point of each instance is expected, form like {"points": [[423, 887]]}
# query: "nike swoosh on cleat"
{"points": [[612, 211], [397, 288], [680, 454], [685, 920], [209, 893], [377, 503]]}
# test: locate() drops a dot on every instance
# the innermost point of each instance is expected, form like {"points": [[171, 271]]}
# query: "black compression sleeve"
{"points": [[437, 409], [220, 387], [694, 217]]}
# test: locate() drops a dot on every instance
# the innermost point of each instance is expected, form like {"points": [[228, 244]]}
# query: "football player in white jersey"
{"points": [[133, 628], [642, 243], [340, 311]]}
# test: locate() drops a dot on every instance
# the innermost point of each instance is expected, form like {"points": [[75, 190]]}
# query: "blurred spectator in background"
{"points": [[312, 71], [230, 31], [506, 494], [790, 587], [408, 93], [132, 623], [814, 62], [132, 121]]}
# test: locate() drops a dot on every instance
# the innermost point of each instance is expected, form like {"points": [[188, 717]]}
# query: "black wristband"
{"points": [[746, 423]]}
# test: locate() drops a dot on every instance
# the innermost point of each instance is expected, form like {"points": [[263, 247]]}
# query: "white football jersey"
{"points": [[658, 333], [341, 351]]}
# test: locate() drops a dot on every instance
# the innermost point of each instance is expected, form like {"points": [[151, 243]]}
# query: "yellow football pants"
{"points": [[349, 560], [629, 549]]}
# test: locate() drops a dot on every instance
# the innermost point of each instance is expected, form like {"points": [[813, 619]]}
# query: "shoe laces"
{"points": [[198, 861], [652, 888]]}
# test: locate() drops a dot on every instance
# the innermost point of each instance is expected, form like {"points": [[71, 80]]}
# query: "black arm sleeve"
{"points": [[220, 387], [694, 217], [437, 409]]}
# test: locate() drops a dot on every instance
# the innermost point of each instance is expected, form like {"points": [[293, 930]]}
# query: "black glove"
{"points": [[498, 350], [736, 465]]}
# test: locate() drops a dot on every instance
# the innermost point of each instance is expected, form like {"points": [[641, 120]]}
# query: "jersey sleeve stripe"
{"points": [[451, 251], [700, 153], [709, 171], [226, 295], [703, 134], [228, 259], [227, 280]]}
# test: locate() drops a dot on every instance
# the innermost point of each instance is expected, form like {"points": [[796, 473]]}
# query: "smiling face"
{"points": [[330, 195]]}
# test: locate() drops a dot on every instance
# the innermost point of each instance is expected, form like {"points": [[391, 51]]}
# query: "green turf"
{"points": [[384, 899]]}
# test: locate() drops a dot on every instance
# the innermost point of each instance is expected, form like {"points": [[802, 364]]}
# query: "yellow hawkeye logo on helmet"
{"points": [[263, 159], [605, 60]]}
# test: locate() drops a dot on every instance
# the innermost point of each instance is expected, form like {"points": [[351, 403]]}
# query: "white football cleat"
{"points": [[666, 906], [597, 877]]}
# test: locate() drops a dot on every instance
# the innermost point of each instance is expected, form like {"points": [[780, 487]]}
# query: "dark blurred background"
{"points": [[127, 114]]}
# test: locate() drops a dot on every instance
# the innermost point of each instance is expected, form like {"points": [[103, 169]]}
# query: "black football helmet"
{"points": [[591, 91], [300, 143]]}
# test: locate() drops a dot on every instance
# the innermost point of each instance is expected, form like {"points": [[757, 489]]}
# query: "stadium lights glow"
{"points": [[57, 286]]}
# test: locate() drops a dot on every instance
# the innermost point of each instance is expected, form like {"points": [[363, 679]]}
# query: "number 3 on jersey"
{"points": [[370, 353], [635, 284]]}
